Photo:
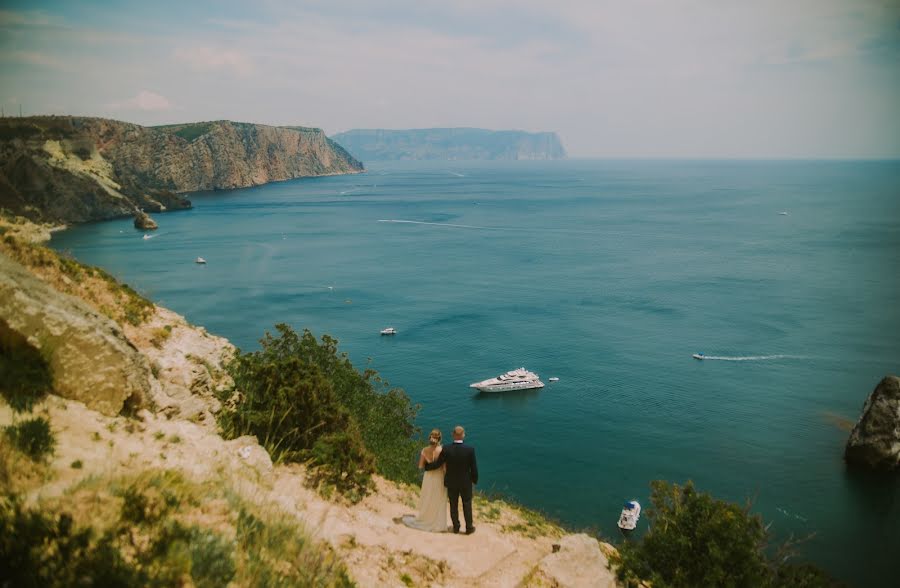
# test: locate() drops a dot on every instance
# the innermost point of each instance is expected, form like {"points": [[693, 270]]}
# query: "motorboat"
{"points": [[200, 260], [553, 379], [147, 237], [520, 379], [628, 519], [784, 213], [389, 331], [698, 356]]}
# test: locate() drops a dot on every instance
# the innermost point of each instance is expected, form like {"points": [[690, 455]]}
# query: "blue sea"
{"points": [[606, 274]]}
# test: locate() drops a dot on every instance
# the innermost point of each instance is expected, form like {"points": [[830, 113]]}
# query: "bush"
{"points": [[305, 401], [32, 437], [25, 376], [45, 549], [151, 538], [697, 540]]}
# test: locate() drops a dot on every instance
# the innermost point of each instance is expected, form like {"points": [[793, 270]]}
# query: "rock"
{"points": [[250, 453], [578, 562], [875, 439], [143, 221], [90, 359]]}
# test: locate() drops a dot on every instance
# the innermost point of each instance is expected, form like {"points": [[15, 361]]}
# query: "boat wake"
{"points": [[412, 222], [750, 357]]}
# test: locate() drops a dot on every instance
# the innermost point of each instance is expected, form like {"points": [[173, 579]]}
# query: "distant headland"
{"points": [[77, 169], [455, 143]]}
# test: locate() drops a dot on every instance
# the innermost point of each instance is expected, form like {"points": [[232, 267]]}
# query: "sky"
{"points": [[615, 78]]}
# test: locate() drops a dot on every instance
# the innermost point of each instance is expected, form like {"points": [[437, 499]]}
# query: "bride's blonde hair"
{"points": [[435, 437]]}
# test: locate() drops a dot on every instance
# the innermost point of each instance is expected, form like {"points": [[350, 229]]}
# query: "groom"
{"points": [[462, 472]]}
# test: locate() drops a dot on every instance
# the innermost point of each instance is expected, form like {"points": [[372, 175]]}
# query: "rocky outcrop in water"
{"points": [[76, 169], [89, 357], [875, 440], [460, 144], [143, 221]]}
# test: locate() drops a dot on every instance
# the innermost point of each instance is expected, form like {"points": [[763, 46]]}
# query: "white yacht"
{"points": [[520, 379], [389, 331], [200, 260], [628, 519]]}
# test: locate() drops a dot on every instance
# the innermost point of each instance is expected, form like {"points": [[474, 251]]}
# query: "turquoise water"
{"points": [[606, 274]]}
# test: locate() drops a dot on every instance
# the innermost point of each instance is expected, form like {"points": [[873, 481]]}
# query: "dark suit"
{"points": [[462, 472]]}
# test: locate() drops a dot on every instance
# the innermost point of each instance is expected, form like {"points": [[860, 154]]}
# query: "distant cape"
{"points": [[455, 143]]}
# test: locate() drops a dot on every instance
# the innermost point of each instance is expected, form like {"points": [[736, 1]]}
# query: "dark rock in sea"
{"points": [[143, 221], [875, 440]]}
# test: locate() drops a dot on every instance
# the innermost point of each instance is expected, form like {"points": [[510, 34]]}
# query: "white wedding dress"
{"points": [[432, 504]]}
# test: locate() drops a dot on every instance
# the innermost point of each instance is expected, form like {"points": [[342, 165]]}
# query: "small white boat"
{"points": [[698, 356], [520, 379], [631, 512], [389, 331], [200, 260], [784, 213], [147, 237], [553, 379]]}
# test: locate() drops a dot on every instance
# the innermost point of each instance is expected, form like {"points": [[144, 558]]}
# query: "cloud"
{"points": [[31, 58], [144, 100], [214, 59]]}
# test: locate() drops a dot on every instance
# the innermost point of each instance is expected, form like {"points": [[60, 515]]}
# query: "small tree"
{"points": [[305, 401]]}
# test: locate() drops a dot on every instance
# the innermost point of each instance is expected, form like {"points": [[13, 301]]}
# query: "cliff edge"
{"points": [[162, 467], [78, 169]]}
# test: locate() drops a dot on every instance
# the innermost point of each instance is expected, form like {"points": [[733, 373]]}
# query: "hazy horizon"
{"points": [[639, 80]]}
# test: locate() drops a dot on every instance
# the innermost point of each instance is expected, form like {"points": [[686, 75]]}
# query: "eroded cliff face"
{"points": [[77, 169]]}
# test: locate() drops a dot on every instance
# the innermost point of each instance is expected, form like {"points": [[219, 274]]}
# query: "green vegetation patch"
{"points": [[157, 529], [305, 401], [25, 375], [697, 540], [33, 437], [189, 131]]}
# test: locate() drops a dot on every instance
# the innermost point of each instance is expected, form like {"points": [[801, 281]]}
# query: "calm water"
{"points": [[606, 274]]}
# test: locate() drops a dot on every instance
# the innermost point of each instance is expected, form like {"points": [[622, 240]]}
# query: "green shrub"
{"points": [[697, 540], [339, 460], [39, 549], [33, 437], [318, 370], [25, 376], [305, 401]]}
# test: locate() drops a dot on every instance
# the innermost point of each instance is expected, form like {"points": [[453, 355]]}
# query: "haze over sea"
{"points": [[606, 274]]}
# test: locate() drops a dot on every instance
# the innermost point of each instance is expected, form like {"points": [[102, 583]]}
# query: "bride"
{"points": [[433, 497]]}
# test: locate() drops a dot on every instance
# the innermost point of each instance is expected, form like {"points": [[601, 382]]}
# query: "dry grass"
{"points": [[97, 288]]}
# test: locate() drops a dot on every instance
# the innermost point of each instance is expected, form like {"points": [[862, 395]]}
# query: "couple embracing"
{"points": [[450, 472]]}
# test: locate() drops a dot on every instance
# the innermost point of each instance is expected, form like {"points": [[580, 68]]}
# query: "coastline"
{"points": [[177, 432]]}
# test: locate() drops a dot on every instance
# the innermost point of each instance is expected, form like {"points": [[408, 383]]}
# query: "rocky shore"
{"points": [[79, 169], [161, 417]]}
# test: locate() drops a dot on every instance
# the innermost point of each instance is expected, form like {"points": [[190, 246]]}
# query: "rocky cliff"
{"points": [[169, 448], [76, 169], [460, 144], [875, 439]]}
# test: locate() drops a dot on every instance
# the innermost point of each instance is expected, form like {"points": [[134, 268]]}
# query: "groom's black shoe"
{"points": [[470, 530], [456, 530]]}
